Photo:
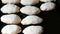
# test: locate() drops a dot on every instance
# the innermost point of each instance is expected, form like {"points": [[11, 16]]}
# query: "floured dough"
{"points": [[10, 8], [11, 19], [47, 0], [31, 20], [47, 6], [11, 29], [10, 1], [30, 10], [29, 2], [33, 30]]}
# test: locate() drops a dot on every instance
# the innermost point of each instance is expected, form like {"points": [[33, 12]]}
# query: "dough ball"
{"points": [[47, 0], [30, 10], [10, 1], [11, 29], [10, 8], [33, 30], [11, 19], [29, 2], [47, 6], [31, 20]]}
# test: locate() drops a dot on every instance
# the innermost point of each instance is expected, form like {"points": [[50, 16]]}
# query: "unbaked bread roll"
{"points": [[29, 2], [30, 10], [10, 8], [11, 19], [47, 6], [33, 30], [11, 29], [31, 20], [47, 0], [10, 1]]}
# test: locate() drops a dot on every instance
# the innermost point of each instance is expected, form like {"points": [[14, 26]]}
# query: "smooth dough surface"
{"points": [[31, 20], [33, 30], [47, 6], [30, 10], [29, 2], [10, 1], [47, 0], [10, 8], [11, 19], [11, 29]]}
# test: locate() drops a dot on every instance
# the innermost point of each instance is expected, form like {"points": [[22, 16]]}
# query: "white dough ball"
{"points": [[29, 2], [11, 29], [47, 0], [47, 6], [31, 20], [10, 1], [10, 8], [33, 30], [11, 19], [30, 10]]}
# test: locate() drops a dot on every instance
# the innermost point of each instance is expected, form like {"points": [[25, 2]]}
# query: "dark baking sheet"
{"points": [[51, 21]]}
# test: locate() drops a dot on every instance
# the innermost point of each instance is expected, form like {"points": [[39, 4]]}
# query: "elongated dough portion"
{"points": [[47, 6], [30, 10], [11, 29], [10, 1], [31, 20], [29, 2], [47, 0], [10, 8], [11, 19], [33, 30]]}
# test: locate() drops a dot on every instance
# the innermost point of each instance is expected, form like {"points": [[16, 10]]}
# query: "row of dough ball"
{"points": [[15, 19], [25, 2], [11, 8], [29, 10], [15, 29]]}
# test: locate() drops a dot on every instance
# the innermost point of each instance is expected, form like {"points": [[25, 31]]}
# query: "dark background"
{"points": [[51, 21]]}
